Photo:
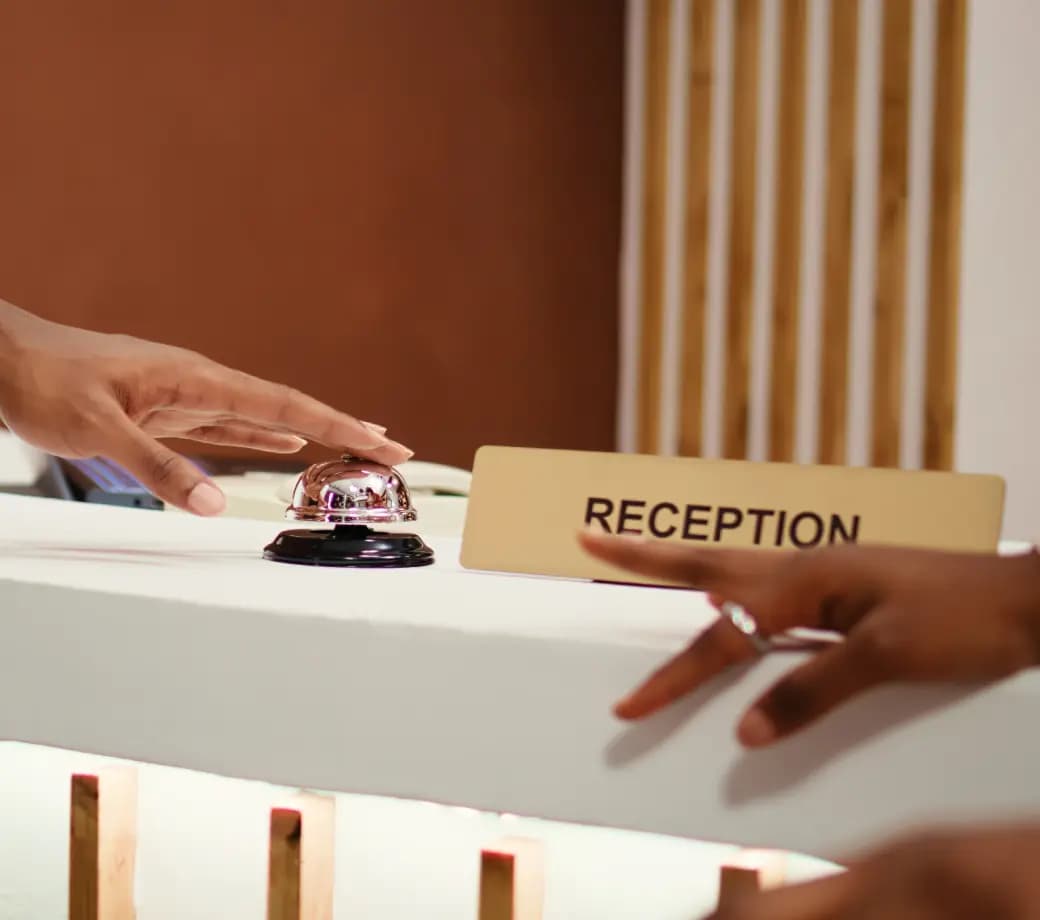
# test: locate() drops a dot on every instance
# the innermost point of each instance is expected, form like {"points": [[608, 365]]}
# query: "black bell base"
{"points": [[349, 546]]}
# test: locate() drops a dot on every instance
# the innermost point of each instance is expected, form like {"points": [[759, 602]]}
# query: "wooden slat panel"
{"points": [[742, 228], [892, 208], [655, 195], [945, 235], [698, 200], [103, 845], [836, 295], [788, 235]]}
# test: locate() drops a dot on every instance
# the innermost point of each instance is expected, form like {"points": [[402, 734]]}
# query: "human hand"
{"points": [[910, 615], [75, 393], [987, 873]]}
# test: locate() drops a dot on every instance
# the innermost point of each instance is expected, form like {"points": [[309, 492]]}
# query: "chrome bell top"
{"points": [[350, 491]]}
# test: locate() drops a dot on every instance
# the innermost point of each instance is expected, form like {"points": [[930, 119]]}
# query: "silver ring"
{"points": [[747, 625]]}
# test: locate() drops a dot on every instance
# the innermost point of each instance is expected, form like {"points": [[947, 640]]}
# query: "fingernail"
{"points": [[206, 500], [755, 730], [372, 426], [410, 453], [300, 443]]}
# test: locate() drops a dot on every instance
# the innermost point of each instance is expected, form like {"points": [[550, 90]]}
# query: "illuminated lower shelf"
{"points": [[189, 845]]}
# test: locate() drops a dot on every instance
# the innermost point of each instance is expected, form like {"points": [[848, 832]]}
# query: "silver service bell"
{"points": [[350, 493]]}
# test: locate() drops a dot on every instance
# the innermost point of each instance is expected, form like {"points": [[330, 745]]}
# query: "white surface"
{"points": [[168, 639], [202, 841], [997, 428], [20, 464]]}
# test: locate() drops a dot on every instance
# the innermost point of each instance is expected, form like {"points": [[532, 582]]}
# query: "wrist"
{"points": [[12, 323], [11, 319]]}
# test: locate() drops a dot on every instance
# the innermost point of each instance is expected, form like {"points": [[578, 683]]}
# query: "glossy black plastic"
{"points": [[349, 546]]}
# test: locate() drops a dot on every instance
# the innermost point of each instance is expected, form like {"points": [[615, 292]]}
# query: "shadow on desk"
{"points": [[787, 764]]}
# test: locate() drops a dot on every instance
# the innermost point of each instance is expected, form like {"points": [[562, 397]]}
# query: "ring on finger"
{"points": [[747, 625]]}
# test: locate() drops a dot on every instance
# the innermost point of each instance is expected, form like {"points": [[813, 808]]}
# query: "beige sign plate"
{"points": [[526, 506]]}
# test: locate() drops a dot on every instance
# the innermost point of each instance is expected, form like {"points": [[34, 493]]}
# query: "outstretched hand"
{"points": [[75, 393], [910, 615], [972, 874]]}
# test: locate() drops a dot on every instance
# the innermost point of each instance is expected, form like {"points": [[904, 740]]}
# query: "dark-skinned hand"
{"points": [[905, 615], [983, 874]]}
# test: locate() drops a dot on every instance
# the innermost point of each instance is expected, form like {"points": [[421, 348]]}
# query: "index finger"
{"points": [[716, 649], [251, 398], [726, 572]]}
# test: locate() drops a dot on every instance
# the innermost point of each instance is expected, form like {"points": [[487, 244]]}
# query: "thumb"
{"points": [[165, 473]]}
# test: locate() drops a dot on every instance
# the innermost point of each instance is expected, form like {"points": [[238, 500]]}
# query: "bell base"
{"points": [[349, 546]]}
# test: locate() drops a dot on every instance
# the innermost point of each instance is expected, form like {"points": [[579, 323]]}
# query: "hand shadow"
{"points": [[639, 739], [788, 763]]}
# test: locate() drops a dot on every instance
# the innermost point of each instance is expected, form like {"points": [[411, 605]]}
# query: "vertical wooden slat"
{"points": [[742, 228], [735, 884], [836, 294], [698, 197], [945, 235], [655, 194], [83, 849], [750, 872], [301, 871], [102, 845], [496, 886], [512, 881], [892, 208], [788, 235], [283, 872]]}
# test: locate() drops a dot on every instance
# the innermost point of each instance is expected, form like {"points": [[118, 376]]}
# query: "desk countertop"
{"points": [[168, 639]]}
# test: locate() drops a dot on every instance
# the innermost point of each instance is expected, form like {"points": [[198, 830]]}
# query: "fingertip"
{"points": [[623, 709], [589, 538], [756, 729], [596, 539], [637, 705], [391, 453], [399, 452], [206, 500]]}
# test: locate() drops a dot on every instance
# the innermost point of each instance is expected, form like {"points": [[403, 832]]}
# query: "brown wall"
{"points": [[410, 209]]}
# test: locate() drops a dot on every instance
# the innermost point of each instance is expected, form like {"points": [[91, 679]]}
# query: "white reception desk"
{"points": [[167, 639]]}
